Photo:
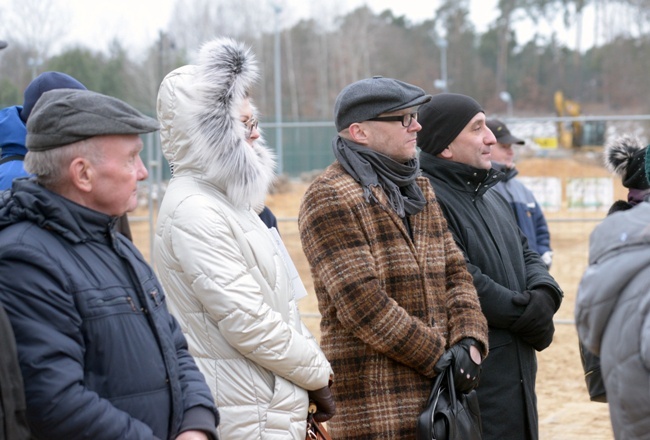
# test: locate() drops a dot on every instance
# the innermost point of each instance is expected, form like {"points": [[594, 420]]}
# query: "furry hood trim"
{"points": [[202, 134]]}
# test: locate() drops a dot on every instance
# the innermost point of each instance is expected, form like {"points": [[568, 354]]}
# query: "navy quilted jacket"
{"points": [[101, 356]]}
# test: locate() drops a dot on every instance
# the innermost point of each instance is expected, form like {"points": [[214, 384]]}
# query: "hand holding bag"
{"points": [[315, 430], [449, 416]]}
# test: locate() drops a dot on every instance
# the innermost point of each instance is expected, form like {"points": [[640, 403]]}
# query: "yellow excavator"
{"points": [[576, 134]]}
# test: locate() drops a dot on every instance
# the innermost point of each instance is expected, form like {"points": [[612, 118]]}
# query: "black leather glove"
{"points": [[325, 406], [535, 325], [466, 371]]}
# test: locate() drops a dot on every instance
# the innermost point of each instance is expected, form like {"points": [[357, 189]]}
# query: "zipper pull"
{"points": [[130, 301], [154, 296]]}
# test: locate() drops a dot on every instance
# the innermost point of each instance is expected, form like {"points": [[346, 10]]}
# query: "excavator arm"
{"points": [[576, 134]]}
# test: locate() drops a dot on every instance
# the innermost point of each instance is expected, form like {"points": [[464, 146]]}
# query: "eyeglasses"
{"points": [[406, 119], [250, 125]]}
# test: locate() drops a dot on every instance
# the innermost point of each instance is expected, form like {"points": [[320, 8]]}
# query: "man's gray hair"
{"points": [[50, 166]]}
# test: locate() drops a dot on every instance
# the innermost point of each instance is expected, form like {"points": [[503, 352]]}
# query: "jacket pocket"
{"points": [[100, 303]]}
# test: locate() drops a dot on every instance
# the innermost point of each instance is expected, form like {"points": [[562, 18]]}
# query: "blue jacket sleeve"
{"points": [[541, 230]]}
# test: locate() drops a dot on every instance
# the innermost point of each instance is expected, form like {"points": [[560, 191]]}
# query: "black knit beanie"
{"points": [[442, 120], [626, 157]]}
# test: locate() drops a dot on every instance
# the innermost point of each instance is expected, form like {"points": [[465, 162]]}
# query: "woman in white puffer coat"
{"points": [[223, 270]]}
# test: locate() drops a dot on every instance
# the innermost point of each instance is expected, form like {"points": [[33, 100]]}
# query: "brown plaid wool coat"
{"points": [[391, 305]]}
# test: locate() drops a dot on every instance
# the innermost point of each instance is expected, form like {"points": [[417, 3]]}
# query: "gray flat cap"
{"points": [[370, 97], [64, 116]]}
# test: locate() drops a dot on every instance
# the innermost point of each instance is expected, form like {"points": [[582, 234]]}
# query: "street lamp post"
{"points": [[505, 97], [278, 88], [442, 82], [34, 63]]}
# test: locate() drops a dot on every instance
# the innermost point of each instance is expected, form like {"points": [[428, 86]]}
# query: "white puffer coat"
{"points": [[225, 278]]}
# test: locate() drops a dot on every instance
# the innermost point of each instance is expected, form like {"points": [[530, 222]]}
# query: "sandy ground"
{"points": [[565, 411]]}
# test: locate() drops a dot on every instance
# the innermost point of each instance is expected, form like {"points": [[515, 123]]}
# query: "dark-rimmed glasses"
{"points": [[406, 119], [251, 125]]}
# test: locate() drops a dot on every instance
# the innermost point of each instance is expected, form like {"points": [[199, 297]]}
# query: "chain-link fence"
{"points": [[306, 149]]}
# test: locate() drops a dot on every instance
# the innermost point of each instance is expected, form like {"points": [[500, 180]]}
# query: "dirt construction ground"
{"points": [[565, 411]]}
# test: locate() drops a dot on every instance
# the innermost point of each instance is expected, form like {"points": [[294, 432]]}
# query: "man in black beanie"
{"points": [[518, 295]]}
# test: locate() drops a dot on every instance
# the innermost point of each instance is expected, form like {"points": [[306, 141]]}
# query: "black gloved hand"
{"points": [[325, 405], [535, 325], [466, 371]]}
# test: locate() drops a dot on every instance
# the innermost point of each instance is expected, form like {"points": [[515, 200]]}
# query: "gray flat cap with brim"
{"points": [[64, 116], [371, 97]]}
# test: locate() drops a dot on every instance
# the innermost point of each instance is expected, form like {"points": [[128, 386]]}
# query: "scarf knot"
{"points": [[370, 168]]}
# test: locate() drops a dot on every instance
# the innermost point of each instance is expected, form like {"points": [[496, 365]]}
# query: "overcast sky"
{"points": [[94, 23]]}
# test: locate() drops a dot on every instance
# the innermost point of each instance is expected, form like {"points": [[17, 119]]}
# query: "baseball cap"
{"points": [[501, 132]]}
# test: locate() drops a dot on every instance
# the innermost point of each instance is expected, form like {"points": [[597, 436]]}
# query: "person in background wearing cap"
{"points": [[528, 213], [13, 130], [228, 276], [100, 355], [392, 287], [611, 310], [518, 295]]}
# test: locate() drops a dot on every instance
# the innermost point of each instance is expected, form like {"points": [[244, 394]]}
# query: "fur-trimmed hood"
{"points": [[201, 131]]}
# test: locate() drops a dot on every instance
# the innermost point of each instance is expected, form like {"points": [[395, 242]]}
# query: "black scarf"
{"points": [[371, 168]]}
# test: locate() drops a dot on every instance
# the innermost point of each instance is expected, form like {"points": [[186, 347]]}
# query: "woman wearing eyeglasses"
{"points": [[226, 277]]}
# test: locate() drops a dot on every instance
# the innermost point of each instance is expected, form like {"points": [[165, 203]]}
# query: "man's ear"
{"points": [[446, 154], [81, 174], [358, 133]]}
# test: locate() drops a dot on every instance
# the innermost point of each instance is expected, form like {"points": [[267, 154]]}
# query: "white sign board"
{"points": [[547, 191], [590, 193]]}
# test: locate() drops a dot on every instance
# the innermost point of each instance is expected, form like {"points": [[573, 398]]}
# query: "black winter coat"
{"points": [[501, 263], [101, 356]]}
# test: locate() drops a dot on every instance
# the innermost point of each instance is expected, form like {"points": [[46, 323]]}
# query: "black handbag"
{"points": [[449, 416]]}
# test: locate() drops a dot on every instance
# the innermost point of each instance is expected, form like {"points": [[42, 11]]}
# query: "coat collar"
{"points": [[29, 201], [460, 176], [509, 173]]}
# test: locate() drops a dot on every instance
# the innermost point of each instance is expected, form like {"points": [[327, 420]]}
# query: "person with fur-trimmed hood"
{"points": [[227, 279]]}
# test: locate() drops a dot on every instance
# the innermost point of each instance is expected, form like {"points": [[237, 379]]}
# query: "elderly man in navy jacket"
{"points": [[101, 356]]}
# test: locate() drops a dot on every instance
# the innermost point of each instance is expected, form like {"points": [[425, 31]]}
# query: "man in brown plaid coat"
{"points": [[392, 287]]}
